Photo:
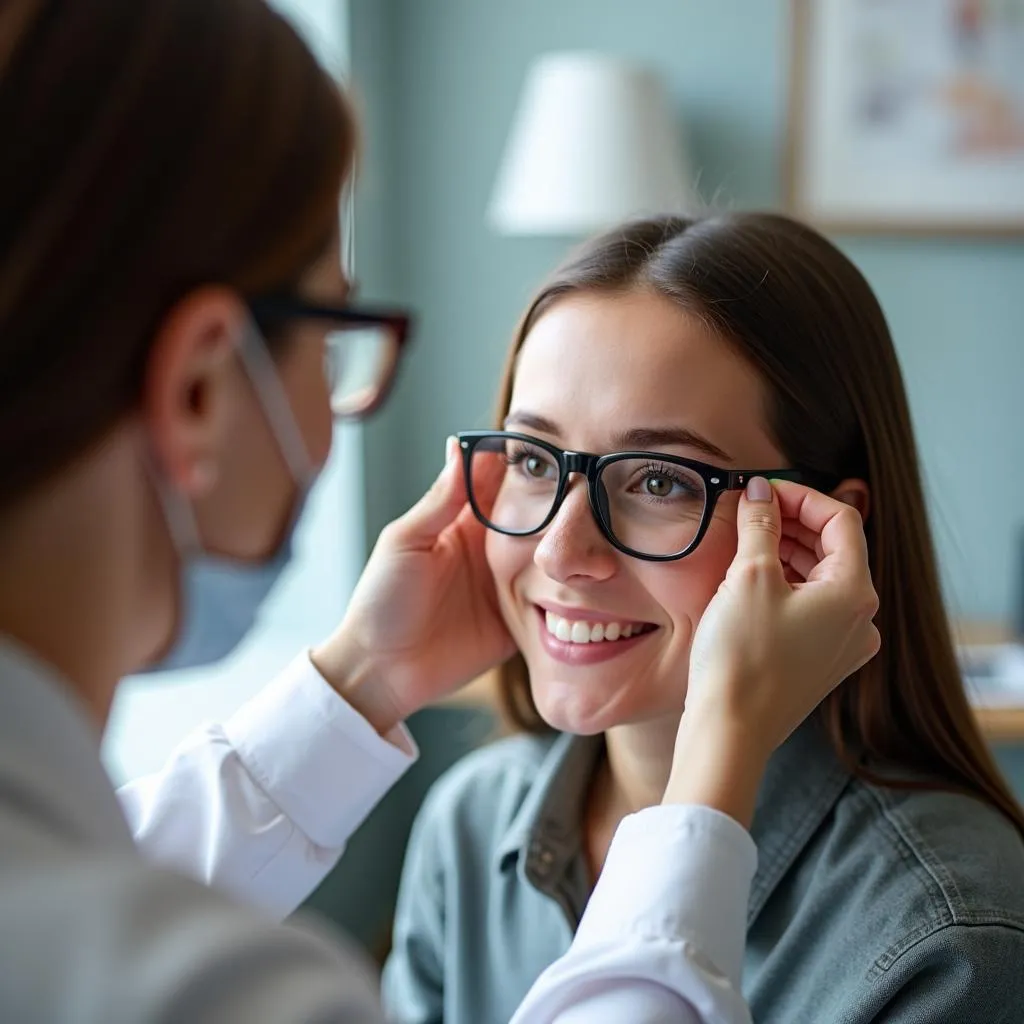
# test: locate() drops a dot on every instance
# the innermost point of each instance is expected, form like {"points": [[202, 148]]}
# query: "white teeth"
{"points": [[579, 632]]}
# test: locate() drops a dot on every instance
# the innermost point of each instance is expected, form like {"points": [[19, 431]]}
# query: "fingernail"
{"points": [[758, 489], [451, 447]]}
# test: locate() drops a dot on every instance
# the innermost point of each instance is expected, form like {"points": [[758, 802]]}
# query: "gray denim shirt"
{"points": [[869, 904]]}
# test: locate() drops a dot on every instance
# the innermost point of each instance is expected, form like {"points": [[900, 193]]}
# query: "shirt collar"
{"points": [[550, 820], [50, 748], [803, 781]]}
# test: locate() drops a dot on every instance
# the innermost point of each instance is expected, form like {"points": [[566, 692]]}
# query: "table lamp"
{"points": [[594, 142]]}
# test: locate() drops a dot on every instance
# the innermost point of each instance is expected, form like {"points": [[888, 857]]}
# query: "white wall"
{"points": [[324, 24], [151, 714]]}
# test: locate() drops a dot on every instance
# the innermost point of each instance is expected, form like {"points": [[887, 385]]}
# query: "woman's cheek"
{"points": [[687, 591], [720, 541], [504, 559], [497, 559]]}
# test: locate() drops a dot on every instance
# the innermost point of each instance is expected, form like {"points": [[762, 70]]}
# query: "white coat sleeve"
{"points": [[161, 947], [261, 807], [663, 935]]}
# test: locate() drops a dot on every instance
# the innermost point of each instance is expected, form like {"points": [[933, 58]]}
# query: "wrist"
{"points": [[717, 764], [358, 679]]}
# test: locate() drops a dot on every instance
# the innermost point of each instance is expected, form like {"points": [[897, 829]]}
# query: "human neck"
{"points": [[632, 776], [639, 763], [72, 582]]}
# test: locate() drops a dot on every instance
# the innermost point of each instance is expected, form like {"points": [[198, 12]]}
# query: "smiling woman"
{"points": [[647, 380], [642, 365]]}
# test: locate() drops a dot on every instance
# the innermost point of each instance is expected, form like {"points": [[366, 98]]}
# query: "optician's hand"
{"points": [[424, 618], [791, 620]]}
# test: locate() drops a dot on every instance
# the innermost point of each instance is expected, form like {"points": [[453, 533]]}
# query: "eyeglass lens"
{"points": [[651, 506], [359, 363]]}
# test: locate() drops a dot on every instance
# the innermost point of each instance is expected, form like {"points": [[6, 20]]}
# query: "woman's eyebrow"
{"points": [[659, 437], [639, 438], [521, 418]]}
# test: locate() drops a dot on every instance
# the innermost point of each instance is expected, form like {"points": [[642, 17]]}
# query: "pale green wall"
{"points": [[446, 75], [438, 82]]}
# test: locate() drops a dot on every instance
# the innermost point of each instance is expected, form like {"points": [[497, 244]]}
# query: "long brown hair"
{"points": [[149, 146], [802, 314]]}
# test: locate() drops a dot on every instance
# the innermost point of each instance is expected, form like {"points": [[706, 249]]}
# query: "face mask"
{"points": [[220, 597]]}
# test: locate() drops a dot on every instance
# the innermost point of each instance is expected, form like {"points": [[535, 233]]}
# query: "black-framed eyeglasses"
{"points": [[647, 504], [362, 347]]}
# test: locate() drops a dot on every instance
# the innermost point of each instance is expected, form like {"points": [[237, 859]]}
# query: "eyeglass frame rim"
{"points": [[590, 466], [291, 307]]}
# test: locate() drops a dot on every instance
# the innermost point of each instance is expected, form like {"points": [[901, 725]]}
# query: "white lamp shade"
{"points": [[593, 143]]}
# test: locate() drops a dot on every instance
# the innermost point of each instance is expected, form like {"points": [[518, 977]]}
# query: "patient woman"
{"points": [[890, 884]]}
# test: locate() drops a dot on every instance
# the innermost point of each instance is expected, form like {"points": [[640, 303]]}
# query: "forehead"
{"points": [[598, 364]]}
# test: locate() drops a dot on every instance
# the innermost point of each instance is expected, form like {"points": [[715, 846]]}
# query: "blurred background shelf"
{"points": [[1001, 725]]}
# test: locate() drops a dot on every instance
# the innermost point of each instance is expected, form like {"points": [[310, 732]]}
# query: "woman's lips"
{"points": [[570, 653]]}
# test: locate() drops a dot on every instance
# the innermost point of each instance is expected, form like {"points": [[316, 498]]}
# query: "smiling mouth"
{"points": [[578, 631]]}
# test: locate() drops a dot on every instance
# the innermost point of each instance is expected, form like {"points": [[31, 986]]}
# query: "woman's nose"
{"points": [[572, 544]]}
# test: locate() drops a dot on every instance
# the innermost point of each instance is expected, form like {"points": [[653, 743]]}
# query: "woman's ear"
{"points": [[186, 389], [856, 494]]}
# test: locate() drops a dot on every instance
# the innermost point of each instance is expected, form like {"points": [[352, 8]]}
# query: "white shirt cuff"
{"points": [[676, 872], [319, 760]]}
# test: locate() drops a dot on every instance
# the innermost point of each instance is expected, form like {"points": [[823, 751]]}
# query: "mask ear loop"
{"points": [[266, 382], [178, 513]]}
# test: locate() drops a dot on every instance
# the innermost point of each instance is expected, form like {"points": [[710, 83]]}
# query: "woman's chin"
{"points": [[566, 709]]}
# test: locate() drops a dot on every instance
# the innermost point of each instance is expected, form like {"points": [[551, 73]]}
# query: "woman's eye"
{"points": [[531, 464], [658, 486]]}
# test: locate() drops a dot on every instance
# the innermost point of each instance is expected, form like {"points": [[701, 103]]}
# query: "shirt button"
{"points": [[542, 858]]}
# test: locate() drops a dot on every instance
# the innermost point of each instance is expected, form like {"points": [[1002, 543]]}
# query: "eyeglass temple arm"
{"points": [[738, 478]]}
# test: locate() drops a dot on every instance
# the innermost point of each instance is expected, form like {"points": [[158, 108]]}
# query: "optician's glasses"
{"points": [[649, 505], [363, 347]]}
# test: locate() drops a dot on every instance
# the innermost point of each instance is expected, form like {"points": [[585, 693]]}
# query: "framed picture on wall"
{"points": [[907, 115]]}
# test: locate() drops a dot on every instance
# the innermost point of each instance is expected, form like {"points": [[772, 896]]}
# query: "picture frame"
{"points": [[907, 116]]}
